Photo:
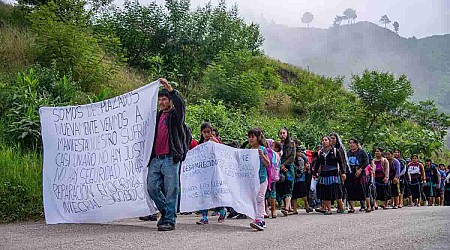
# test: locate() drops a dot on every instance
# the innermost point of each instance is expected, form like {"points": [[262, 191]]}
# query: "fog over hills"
{"points": [[349, 49]]}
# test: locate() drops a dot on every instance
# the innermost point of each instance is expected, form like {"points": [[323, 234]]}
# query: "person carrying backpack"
{"points": [[255, 138], [274, 154], [404, 180], [433, 182], [301, 190]]}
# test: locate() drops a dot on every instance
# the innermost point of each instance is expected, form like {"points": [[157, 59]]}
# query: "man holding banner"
{"points": [[168, 151]]}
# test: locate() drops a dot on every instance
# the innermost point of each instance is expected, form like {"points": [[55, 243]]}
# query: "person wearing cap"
{"points": [[162, 179]]}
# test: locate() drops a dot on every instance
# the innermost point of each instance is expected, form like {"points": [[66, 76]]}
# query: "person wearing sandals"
{"points": [[300, 190], [416, 172], [404, 181], [394, 176], [271, 193], [287, 169], [206, 130], [356, 182], [381, 178], [308, 177], [336, 142], [255, 138], [447, 187], [370, 173], [433, 182], [330, 172]]}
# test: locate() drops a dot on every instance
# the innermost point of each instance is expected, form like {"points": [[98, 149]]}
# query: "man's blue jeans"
{"points": [[162, 186]]}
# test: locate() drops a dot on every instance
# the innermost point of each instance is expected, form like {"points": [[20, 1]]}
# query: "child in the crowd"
{"points": [[206, 130], [274, 150], [255, 139]]}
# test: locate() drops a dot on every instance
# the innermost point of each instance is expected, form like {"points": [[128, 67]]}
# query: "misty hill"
{"points": [[349, 49]]}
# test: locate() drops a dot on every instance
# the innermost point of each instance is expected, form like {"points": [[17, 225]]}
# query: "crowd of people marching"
{"points": [[331, 174], [326, 177]]}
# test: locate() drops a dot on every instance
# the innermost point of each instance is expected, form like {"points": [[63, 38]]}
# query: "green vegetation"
{"points": [[74, 52], [20, 184]]}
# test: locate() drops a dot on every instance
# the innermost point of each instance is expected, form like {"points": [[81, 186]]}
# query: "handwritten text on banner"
{"points": [[215, 175], [96, 156]]}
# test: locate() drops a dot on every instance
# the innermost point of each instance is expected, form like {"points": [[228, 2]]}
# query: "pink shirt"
{"points": [[368, 170], [162, 139]]}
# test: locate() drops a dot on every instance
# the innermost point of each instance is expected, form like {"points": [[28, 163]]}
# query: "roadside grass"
{"points": [[20, 184]]}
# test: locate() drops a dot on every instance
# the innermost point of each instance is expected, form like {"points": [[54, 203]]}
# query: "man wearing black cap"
{"points": [[168, 151]]}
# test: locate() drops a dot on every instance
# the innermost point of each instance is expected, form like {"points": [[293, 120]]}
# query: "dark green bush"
{"points": [[20, 102], [17, 202]]}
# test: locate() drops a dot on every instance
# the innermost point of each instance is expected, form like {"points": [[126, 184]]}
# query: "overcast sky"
{"points": [[418, 18]]}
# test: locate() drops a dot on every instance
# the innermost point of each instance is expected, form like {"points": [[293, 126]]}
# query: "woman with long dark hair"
{"points": [[328, 168], [336, 142], [206, 134], [285, 186], [394, 175], [356, 182], [381, 178], [416, 172]]}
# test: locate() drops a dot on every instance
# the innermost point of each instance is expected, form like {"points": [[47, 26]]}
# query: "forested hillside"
{"points": [[350, 49]]}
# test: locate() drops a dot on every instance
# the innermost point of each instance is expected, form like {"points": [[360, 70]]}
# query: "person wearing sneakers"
{"points": [[206, 130], [254, 138]]}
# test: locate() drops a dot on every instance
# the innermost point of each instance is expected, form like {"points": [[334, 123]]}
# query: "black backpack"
{"points": [[434, 173]]}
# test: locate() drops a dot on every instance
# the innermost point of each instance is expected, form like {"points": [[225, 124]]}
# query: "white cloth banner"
{"points": [[215, 175], [96, 156]]}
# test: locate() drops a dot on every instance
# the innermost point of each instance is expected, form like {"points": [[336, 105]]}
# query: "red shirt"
{"points": [[193, 144], [162, 139]]}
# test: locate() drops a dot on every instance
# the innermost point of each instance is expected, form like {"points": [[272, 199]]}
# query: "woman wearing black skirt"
{"points": [[284, 188], [356, 182], [302, 176], [417, 174], [381, 178], [329, 169]]}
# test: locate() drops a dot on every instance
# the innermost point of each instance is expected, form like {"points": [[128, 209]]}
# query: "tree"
{"points": [[396, 26], [385, 20], [426, 115], [175, 41], [337, 20], [65, 39], [235, 79], [380, 93], [307, 18], [90, 5], [350, 15]]}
